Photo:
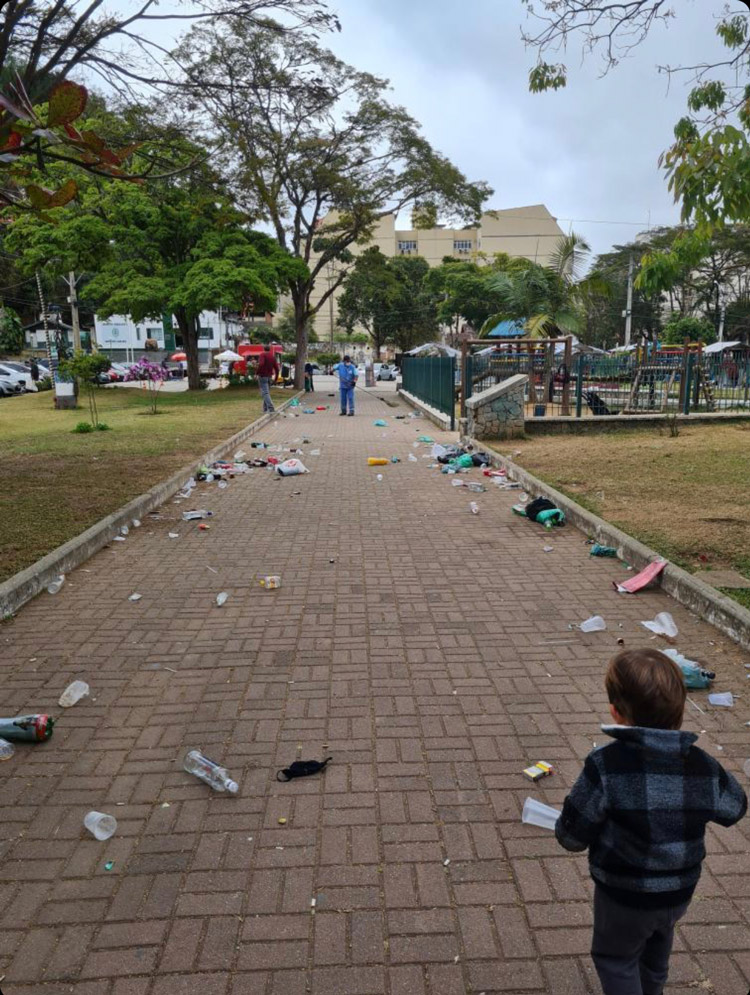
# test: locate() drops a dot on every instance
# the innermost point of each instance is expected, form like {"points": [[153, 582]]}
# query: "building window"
{"points": [[206, 333], [137, 334], [407, 248], [462, 245], [154, 333]]}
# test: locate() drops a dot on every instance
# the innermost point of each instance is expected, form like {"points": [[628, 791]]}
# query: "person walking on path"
{"points": [[347, 373], [308, 378], [641, 806], [267, 372], [34, 370]]}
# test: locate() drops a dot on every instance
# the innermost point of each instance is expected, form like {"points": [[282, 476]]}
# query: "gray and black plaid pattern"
{"points": [[641, 805]]}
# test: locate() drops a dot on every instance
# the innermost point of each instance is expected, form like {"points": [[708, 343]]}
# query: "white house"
{"points": [[119, 333]]}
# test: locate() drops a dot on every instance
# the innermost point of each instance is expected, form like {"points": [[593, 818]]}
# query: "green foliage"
{"points": [[82, 427], [327, 358], [678, 328], [84, 367], [547, 77], [44, 383], [102, 427], [11, 331], [285, 328], [319, 153]]}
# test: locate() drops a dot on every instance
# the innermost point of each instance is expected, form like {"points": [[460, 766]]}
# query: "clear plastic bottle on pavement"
{"points": [[56, 584], [209, 771], [6, 749]]}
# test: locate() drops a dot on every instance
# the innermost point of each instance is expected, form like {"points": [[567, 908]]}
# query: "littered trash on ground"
{"points": [[191, 516], [662, 625], [221, 599], [380, 423], [647, 576], [437, 451], [413, 458], [34, 728], [695, 677], [538, 814], [6, 749], [594, 624], [271, 582], [598, 550], [473, 507], [100, 825], [173, 535], [56, 584], [302, 768], [724, 699], [291, 468], [135, 597], [73, 693]]}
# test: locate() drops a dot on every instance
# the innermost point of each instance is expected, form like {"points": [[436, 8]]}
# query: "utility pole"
{"points": [[43, 306], [73, 301], [722, 318], [628, 312], [329, 274]]}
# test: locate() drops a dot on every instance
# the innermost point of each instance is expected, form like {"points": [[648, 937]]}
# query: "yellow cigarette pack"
{"points": [[539, 770]]}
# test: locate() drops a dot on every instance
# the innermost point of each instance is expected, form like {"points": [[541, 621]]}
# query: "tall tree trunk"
{"points": [[188, 326], [300, 324]]}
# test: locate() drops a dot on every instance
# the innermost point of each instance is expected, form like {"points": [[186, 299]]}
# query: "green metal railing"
{"points": [[432, 379]]}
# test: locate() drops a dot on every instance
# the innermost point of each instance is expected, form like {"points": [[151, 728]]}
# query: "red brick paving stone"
{"points": [[430, 692]]}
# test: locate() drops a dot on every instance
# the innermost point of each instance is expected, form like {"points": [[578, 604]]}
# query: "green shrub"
{"points": [[102, 427], [83, 426], [44, 383]]}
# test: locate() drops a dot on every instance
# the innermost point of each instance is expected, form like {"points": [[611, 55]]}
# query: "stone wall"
{"points": [[498, 412]]}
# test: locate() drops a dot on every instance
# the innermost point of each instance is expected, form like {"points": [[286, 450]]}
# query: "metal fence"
{"points": [[433, 380], [612, 385]]}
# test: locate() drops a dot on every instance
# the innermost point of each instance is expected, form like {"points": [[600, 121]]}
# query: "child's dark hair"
{"points": [[646, 688]]}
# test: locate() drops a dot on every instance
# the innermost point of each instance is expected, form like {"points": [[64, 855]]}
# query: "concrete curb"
{"points": [[720, 611], [437, 417], [26, 584]]}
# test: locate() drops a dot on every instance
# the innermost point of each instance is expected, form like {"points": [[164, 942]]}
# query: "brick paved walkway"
{"points": [[431, 658]]}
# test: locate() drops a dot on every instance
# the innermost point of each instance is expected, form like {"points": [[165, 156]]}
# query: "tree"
{"points": [[84, 368], [177, 247], [413, 318], [286, 326], [11, 331], [45, 42], [603, 312], [548, 299], [707, 164], [369, 294], [315, 149], [679, 327]]}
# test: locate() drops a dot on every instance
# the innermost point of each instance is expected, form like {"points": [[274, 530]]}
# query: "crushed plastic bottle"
{"points": [[124, 530], [473, 507], [594, 624], [222, 598], [189, 516], [6, 749], [209, 771], [475, 487], [379, 476], [270, 582], [56, 584], [135, 597], [458, 483], [222, 485], [73, 693], [598, 550]]}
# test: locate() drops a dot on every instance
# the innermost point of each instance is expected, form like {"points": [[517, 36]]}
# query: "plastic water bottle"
{"points": [[210, 772], [6, 749], [56, 584], [73, 693]]}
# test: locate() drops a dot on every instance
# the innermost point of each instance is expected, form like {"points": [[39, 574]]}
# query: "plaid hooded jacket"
{"points": [[641, 805]]}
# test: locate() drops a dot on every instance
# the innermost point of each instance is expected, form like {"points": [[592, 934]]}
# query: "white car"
{"points": [[19, 374], [386, 372]]}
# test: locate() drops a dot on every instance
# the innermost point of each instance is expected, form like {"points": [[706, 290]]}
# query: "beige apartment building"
{"points": [[518, 231]]}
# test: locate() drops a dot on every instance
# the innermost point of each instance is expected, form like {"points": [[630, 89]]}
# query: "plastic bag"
{"points": [[662, 625], [291, 467], [695, 677]]}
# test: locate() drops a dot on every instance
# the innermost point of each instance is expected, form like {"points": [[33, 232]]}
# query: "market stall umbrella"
{"points": [[178, 356], [228, 356]]}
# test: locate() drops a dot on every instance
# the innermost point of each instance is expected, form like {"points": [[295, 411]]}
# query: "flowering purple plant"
{"points": [[152, 374]]}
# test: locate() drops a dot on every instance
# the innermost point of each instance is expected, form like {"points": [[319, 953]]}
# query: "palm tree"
{"points": [[548, 299]]}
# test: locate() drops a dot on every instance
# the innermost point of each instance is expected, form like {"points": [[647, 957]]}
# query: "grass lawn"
{"points": [[55, 483], [688, 497]]}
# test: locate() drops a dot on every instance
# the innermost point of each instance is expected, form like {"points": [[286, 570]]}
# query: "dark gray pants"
{"points": [[265, 393], [631, 947]]}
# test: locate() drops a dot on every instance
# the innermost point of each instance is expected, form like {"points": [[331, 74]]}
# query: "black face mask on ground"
{"points": [[302, 768]]}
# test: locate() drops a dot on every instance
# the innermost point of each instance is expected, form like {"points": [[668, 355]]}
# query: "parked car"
{"points": [[386, 372], [19, 374], [9, 388]]}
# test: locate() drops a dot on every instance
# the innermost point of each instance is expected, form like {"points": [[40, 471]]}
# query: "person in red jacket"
{"points": [[267, 372]]}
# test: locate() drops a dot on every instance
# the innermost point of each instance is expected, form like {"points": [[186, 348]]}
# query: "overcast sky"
{"points": [[588, 152]]}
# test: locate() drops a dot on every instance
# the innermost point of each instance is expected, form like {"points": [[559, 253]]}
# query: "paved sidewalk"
{"points": [[427, 650]]}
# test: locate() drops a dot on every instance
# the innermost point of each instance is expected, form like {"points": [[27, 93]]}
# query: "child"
{"points": [[641, 805]]}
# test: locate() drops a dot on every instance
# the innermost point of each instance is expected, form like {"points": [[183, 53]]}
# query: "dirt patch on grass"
{"points": [[688, 497]]}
